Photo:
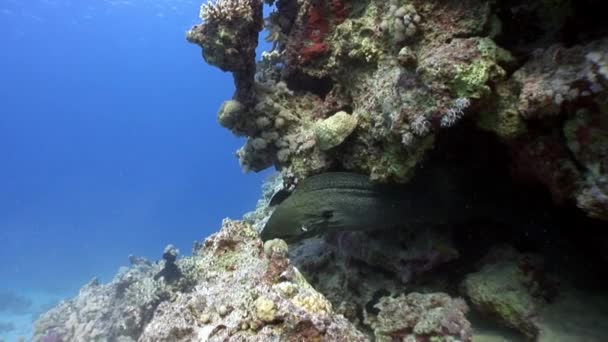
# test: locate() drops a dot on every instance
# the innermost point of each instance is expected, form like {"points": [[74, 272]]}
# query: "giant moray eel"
{"points": [[340, 201]]}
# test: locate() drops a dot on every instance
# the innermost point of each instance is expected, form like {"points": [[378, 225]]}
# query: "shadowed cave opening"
{"points": [[529, 25], [571, 243], [299, 81]]}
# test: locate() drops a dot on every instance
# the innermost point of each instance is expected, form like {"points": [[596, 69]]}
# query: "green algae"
{"points": [[471, 80]]}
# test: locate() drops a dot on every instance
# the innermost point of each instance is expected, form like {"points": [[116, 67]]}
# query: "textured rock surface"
{"points": [[566, 88], [116, 310], [433, 316], [408, 70], [507, 286], [268, 300]]}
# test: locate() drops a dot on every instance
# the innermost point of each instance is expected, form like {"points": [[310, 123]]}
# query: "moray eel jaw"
{"points": [[293, 223], [327, 203], [343, 201]]}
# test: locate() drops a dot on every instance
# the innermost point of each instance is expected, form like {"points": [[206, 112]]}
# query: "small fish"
{"points": [[343, 201]]}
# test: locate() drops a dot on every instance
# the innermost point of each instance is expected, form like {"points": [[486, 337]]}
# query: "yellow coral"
{"points": [[265, 309], [286, 288], [313, 303]]}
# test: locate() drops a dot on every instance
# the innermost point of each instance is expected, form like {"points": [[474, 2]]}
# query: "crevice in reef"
{"points": [[490, 163], [547, 249], [587, 22], [527, 26], [550, 231], [520, 28], [298, 81]]}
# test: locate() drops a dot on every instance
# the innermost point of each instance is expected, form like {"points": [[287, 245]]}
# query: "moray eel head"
{"points": [[294, 220], [321, 204]]}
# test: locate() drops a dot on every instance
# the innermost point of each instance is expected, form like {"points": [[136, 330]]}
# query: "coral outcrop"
{"points": [[115, 311], [404, 71], [229, 37], [508, 287], [268, 299], [565, 146], [422, 316]]}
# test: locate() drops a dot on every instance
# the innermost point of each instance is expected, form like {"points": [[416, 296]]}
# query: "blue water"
{"points": [[109, 144]]}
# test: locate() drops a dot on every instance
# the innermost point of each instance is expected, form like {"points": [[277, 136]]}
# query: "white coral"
{"points": [[226, 10], [144, 292], [420, 125], [600, 59], [455, 112]]}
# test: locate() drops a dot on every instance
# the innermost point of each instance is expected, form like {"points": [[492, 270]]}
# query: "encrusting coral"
{"points": [[268, 300], [404, 71], [422, 316], [509, 287]]}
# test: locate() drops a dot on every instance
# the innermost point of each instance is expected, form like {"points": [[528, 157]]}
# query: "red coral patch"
{"points": [[313, 51]]}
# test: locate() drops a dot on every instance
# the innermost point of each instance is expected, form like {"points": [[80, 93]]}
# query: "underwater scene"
{"points": [[303, 170]]}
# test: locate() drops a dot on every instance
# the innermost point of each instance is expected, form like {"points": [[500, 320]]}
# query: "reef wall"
{"points": [[366, 86]]}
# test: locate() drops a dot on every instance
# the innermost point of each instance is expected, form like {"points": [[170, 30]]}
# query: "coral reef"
{"points": [[229, 36], [514, 91], [117, 311], [357, 270], [268, 300], [403, 253], [565, 89], [332, 131], [405, 71], [433, 316]]}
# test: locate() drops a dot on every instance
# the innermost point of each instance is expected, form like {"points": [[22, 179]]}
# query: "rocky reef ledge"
{"points": [[234, 287]]}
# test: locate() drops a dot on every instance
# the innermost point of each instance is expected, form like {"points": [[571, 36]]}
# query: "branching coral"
{"points": [[229, 36], [221, 11], [401, 22], [455, 112]]}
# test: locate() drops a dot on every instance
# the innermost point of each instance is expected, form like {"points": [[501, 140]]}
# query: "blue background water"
{"points": [[109, 144]]}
